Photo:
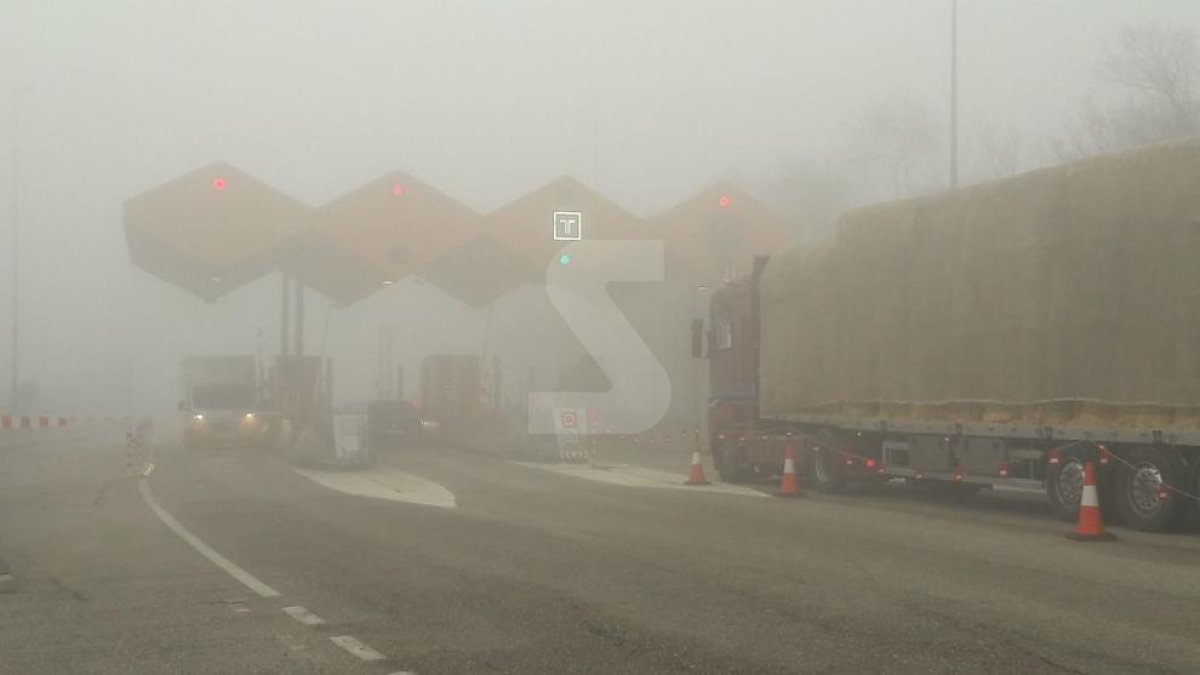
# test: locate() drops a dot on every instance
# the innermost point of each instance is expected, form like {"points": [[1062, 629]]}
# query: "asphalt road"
{"points": [[538, 572]]}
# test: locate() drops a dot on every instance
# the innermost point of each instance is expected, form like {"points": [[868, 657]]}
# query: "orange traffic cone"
{"points": [[1091, 526], [696, 477], [788, 485]]}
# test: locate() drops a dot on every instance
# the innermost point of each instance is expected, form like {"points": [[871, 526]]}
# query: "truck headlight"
{"points": [[198, 417], [249, 417]]}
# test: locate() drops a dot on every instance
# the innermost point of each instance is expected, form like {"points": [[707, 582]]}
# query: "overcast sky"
{"points": [[645, 100]]}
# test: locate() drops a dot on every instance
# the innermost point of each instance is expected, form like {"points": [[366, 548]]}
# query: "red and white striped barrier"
{"points": [[56, 421]]}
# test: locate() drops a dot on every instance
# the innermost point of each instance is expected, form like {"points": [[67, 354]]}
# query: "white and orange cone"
{"points": [[1091, 525], [788, 485], [696, 476]]}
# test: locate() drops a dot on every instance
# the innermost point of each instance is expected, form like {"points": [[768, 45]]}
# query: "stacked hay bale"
{"points": [[1078, 282]]}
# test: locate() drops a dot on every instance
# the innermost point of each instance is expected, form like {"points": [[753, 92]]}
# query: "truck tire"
{"points": [[1137, 482], [727, 457], [1064, 487], [825, 473]]}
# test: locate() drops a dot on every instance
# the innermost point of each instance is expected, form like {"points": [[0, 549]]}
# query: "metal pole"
{"points": [[16, 258], [299, 318], [284, 328], [953, 93], [301, 383], [497, 383]]}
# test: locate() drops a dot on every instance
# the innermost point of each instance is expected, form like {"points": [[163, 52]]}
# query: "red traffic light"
{"points": [[397, 190], [723, 201], [219, 184]]}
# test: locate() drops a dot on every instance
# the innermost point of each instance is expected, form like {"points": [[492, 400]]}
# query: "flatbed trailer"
{"points": [[1000, 335]]}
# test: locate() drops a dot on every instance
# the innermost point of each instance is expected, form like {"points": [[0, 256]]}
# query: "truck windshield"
{"points": [[222, 396]]}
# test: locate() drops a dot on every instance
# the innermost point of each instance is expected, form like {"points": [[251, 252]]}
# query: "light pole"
{"points": [[16, 258], [953, 93]]}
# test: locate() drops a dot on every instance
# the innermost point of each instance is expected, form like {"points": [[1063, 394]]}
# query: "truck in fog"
{"points": [[998, 335], [451, 394], [221, 401]]}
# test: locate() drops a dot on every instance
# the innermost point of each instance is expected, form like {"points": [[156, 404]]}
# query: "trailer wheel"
{"points": [[1064, 487], [1138, 481], [825, 473], [727, 458]]}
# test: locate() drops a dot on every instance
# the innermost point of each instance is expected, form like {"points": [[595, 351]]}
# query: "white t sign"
{"points": [[568, 225]]}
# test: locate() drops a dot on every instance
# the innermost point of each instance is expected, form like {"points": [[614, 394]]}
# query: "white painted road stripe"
{"points": [[205, 550], [383, 483], [628, 475], [303, 616], [352, 645]]}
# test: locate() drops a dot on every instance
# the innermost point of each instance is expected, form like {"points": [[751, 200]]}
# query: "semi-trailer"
{"points": [[997, 335]]}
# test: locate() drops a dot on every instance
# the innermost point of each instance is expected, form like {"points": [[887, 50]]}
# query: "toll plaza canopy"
{"points": [[212, 230], [216, 228], [378, 234], [527, 224], [481, 270], [720, 230]]}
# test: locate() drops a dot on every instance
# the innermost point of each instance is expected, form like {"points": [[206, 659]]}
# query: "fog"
{"points": [[645, 102]]}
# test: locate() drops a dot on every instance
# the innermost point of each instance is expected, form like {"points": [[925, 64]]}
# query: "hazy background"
{"points": [[645, 101]]}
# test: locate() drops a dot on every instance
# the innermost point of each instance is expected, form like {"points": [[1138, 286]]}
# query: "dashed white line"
{"points": [[247, 579], [352, 645], [303, 615]]}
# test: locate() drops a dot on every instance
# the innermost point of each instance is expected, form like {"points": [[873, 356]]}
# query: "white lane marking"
{"points": [[247, 579], [352, 645], [628, 475], [303, 615], [384, 484]]}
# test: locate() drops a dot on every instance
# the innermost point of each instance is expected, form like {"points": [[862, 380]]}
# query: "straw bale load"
{"points": [[1075, 283]]}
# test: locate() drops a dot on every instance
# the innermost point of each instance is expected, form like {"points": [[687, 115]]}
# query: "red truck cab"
{"points": [[742, 445]]}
